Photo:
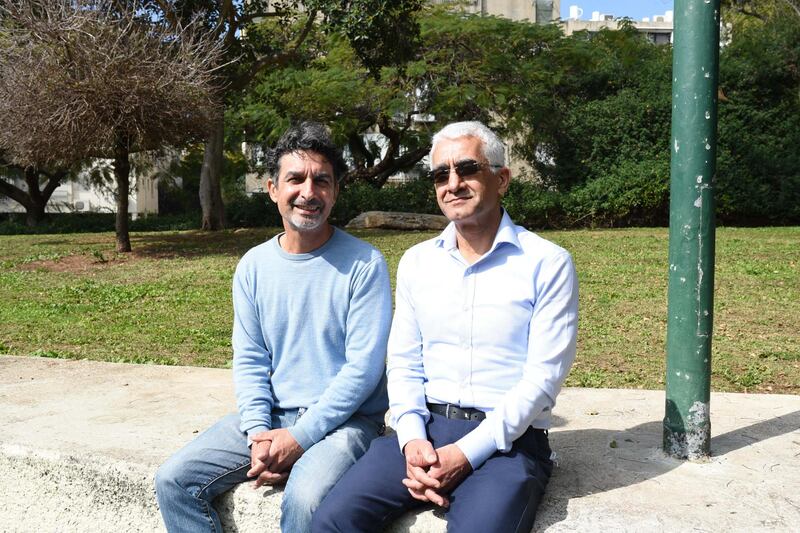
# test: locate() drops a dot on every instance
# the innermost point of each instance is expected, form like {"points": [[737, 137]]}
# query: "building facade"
{"points": [[658, 28], [81, 196], [539, 11]]}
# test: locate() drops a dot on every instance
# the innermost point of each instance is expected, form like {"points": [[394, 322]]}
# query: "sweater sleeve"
{"points": [[367, 328], [251, 358]]}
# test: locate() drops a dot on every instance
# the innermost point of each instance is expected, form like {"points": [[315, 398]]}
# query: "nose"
{"points": [[454, 181], [307, 189]]}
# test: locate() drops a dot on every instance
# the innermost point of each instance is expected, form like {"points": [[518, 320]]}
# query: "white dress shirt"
{"points": [[498, 335]]}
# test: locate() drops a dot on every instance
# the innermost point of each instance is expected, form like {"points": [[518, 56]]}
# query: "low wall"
{"points": [[81, 441]]}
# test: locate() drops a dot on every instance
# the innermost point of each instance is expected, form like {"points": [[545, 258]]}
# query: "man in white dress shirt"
{"points": [[482, 339]]}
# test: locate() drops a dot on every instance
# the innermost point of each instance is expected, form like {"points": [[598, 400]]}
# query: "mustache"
{"points": [[309, 203]]}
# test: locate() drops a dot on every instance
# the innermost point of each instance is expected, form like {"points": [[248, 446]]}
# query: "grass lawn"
{"points": [[71, 296]]}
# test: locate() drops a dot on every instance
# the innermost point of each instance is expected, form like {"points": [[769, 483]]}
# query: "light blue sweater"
{"points": [[310, 330]]}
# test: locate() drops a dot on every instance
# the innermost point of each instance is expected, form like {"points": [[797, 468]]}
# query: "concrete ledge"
{"points": [[81, 441]]}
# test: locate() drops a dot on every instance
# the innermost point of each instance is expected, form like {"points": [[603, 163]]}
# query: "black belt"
{"points": [[456, 413]]}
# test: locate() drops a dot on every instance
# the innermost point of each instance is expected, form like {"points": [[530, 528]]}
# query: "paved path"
{"points": [[80, 442]]}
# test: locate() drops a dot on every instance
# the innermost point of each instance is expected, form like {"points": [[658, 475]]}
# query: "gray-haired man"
{"points": [[482, 338]]}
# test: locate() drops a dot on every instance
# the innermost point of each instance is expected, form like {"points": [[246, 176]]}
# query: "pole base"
{"points": [[689, 438]]}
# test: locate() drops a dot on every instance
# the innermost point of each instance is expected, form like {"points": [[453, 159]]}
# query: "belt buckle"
{"points": [[447, 410]]}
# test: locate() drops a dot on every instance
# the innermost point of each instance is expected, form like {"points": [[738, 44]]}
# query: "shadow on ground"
{"points": [[597, 460]]}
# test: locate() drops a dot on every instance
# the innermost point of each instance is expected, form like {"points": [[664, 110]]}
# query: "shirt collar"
{"points": [[506, 232]]}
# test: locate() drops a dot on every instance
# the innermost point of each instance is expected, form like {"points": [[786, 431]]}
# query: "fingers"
{"points": [[259, 452], [420, 453], [256, 468], [428, 495], [419, 474], [270, 478], [436, 498]]}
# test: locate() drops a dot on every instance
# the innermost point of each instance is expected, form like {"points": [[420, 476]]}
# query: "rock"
{"points": [[393, 220]]}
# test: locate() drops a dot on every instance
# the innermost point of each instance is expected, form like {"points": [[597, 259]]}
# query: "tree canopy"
{"points": [[83, 79]]}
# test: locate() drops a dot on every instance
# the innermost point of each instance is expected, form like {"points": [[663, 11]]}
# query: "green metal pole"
{"points": [[687, 424]]}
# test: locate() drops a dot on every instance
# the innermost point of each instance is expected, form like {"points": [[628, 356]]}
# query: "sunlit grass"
{"points": [[72, 296]]}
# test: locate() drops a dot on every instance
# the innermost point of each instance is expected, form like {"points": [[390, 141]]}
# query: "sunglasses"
{"points": [[464, 169]]}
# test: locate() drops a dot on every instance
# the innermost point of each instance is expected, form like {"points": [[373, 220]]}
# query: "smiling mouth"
{"points": [[458, 199], [310, 209]]}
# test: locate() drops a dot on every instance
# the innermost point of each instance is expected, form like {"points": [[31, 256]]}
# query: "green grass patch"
{"points": [[72, 296]]}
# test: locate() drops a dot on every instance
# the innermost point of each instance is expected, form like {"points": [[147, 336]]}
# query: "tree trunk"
{"points": [[34, 211], [210, 191], [122, 170], [34, 214]]}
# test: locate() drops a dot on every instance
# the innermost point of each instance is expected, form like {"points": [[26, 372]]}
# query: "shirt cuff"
{"points": [[477, 445], [301, 436], [253, 432], [410, 426]]}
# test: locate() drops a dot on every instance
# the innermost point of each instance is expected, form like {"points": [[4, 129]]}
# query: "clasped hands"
{"points": [[432, 474], [272, 455]]}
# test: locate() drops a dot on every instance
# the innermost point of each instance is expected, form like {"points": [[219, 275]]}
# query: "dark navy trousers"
{"points": [[500, 496]]}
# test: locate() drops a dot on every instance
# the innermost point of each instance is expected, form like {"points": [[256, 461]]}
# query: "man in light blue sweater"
{"points": [[312, 308]]}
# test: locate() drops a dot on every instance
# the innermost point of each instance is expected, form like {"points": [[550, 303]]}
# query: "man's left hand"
{"points": [[450, 469], [283, 452]]}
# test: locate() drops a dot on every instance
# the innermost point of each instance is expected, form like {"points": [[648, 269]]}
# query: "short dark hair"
{"points": [[306, 136]]}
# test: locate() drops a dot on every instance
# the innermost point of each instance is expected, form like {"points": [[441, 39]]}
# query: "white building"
{"points": [[658, 28], [538, 11], [80, 196]]}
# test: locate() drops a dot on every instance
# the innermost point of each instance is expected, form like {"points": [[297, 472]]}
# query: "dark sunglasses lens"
{"points": [[463, 169], [440, 175], [467, 168]]}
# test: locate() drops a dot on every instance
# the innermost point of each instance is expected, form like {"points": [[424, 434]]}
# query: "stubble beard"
{"points": [[305, 223]]}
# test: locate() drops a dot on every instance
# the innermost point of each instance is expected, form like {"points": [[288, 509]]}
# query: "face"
{"points": [[474, 196], [305, 190]]}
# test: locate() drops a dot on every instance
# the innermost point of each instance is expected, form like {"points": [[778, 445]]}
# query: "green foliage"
{"points": [[612, 112], [62, 223], [382, 32], [412, 197], [533, 206], [252, 211], [589, 113], [759, 125], [634, 193]]}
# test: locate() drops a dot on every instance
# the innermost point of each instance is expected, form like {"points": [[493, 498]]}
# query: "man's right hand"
{"points": [[259, 451], [420, 456]]}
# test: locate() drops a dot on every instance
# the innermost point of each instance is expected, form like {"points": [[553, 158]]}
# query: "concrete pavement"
{"points": [[81, 440]]}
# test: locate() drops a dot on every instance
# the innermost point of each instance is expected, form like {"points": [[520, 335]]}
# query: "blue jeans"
{"points": [[218, 459]]}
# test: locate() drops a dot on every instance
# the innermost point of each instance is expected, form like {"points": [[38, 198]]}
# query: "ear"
{"points": [[272, 189], [504, 175]]}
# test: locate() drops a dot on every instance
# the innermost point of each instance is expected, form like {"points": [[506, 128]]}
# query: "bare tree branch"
{"points": [[72, 78]]}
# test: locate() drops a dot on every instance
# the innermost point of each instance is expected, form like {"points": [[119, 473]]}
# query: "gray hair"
{"points": [[493, 148]]}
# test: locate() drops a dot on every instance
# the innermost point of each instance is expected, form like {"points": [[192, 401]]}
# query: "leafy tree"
{"points": [[759, 124], [371, 25], [611, 106], [760, 9], [83, 80], [466, 67]]}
